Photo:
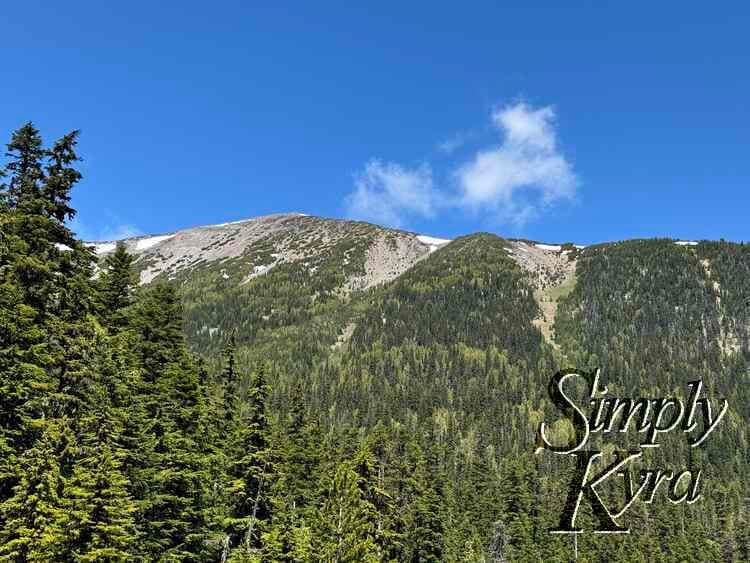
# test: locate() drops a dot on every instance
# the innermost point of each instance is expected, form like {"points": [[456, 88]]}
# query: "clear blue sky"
{"points": [[582, 121]]}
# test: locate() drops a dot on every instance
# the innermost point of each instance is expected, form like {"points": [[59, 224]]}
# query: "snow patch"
{"points": [[433, 242], [63, 247], [686, 242], [551, 247], [104, 247], [145, 243], [232, 223]]}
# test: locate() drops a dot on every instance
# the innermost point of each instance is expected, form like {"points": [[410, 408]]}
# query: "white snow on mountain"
{"points": [[686, 242], [145, 243], [551, 247], [433, 242], [104, 247]]}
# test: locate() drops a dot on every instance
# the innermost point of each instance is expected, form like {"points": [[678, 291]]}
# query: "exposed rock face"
{"points": [[365, 255], [552, 269], [549, 265], [388, 259]]}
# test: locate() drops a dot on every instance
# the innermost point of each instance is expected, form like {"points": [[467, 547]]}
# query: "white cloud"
{"points": [[449, 146], [522, 175], [107, 232], [388, 193]]}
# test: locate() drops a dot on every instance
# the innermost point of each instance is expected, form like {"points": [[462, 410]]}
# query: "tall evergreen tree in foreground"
{"points": [[117, 288], [45, 301]]}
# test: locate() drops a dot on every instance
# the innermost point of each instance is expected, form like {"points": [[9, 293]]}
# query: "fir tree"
{"points": [[98, 511], [116, 288], [343, 530], [29, 530], [250, 489], [171, 512]]}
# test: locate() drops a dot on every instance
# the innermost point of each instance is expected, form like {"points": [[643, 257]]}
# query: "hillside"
{"points": [[458, 340]]}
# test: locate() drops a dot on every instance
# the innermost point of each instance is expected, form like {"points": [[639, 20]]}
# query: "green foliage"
{"points": [[116, 287]]}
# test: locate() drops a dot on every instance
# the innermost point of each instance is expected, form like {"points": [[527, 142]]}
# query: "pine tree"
{"points": [[172, 508], [116, 288], [343, 530], [250, 489], [25, 170], [29, 532], [97, 509], [45, 296], [295, 459], [423, 519], [230, 380], [157, 320], [97, 518]]}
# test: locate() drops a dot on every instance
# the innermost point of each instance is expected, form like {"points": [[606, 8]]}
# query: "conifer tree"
{"points": [[29, 530], [423, 520], [97, 519], [116, 288], [343, 530], [171, 510], [250, 489], [44, 296], [295, 459], [98, 512]]}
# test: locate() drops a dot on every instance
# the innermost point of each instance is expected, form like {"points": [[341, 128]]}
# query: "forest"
{"points": [[126, 434]]}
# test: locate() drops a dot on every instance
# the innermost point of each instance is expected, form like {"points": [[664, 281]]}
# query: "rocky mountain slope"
{"points": [[267, 241], [244, 263], [360, 255], [255, 246]]}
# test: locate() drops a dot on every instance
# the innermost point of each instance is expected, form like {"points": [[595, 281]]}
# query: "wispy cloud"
{"points": [[514, 180], [387, 193], [451, 145], [111, 231]]}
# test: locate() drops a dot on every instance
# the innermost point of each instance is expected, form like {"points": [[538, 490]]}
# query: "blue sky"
{"points": [[557, 121]]}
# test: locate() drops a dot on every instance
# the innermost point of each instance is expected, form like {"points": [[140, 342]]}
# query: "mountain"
{"points": [[328, 259], [367, 254], [457, 340]]}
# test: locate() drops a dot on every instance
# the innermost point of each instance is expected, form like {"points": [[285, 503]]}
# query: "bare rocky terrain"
{"points": [[552, 269], [267, 241], [368, 254]]}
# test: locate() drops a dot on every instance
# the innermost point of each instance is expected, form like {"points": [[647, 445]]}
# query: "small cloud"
{"points": [[451, 145], [388, 193], [523, 174], [457, 141], [119, 232], [106, 233]]}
